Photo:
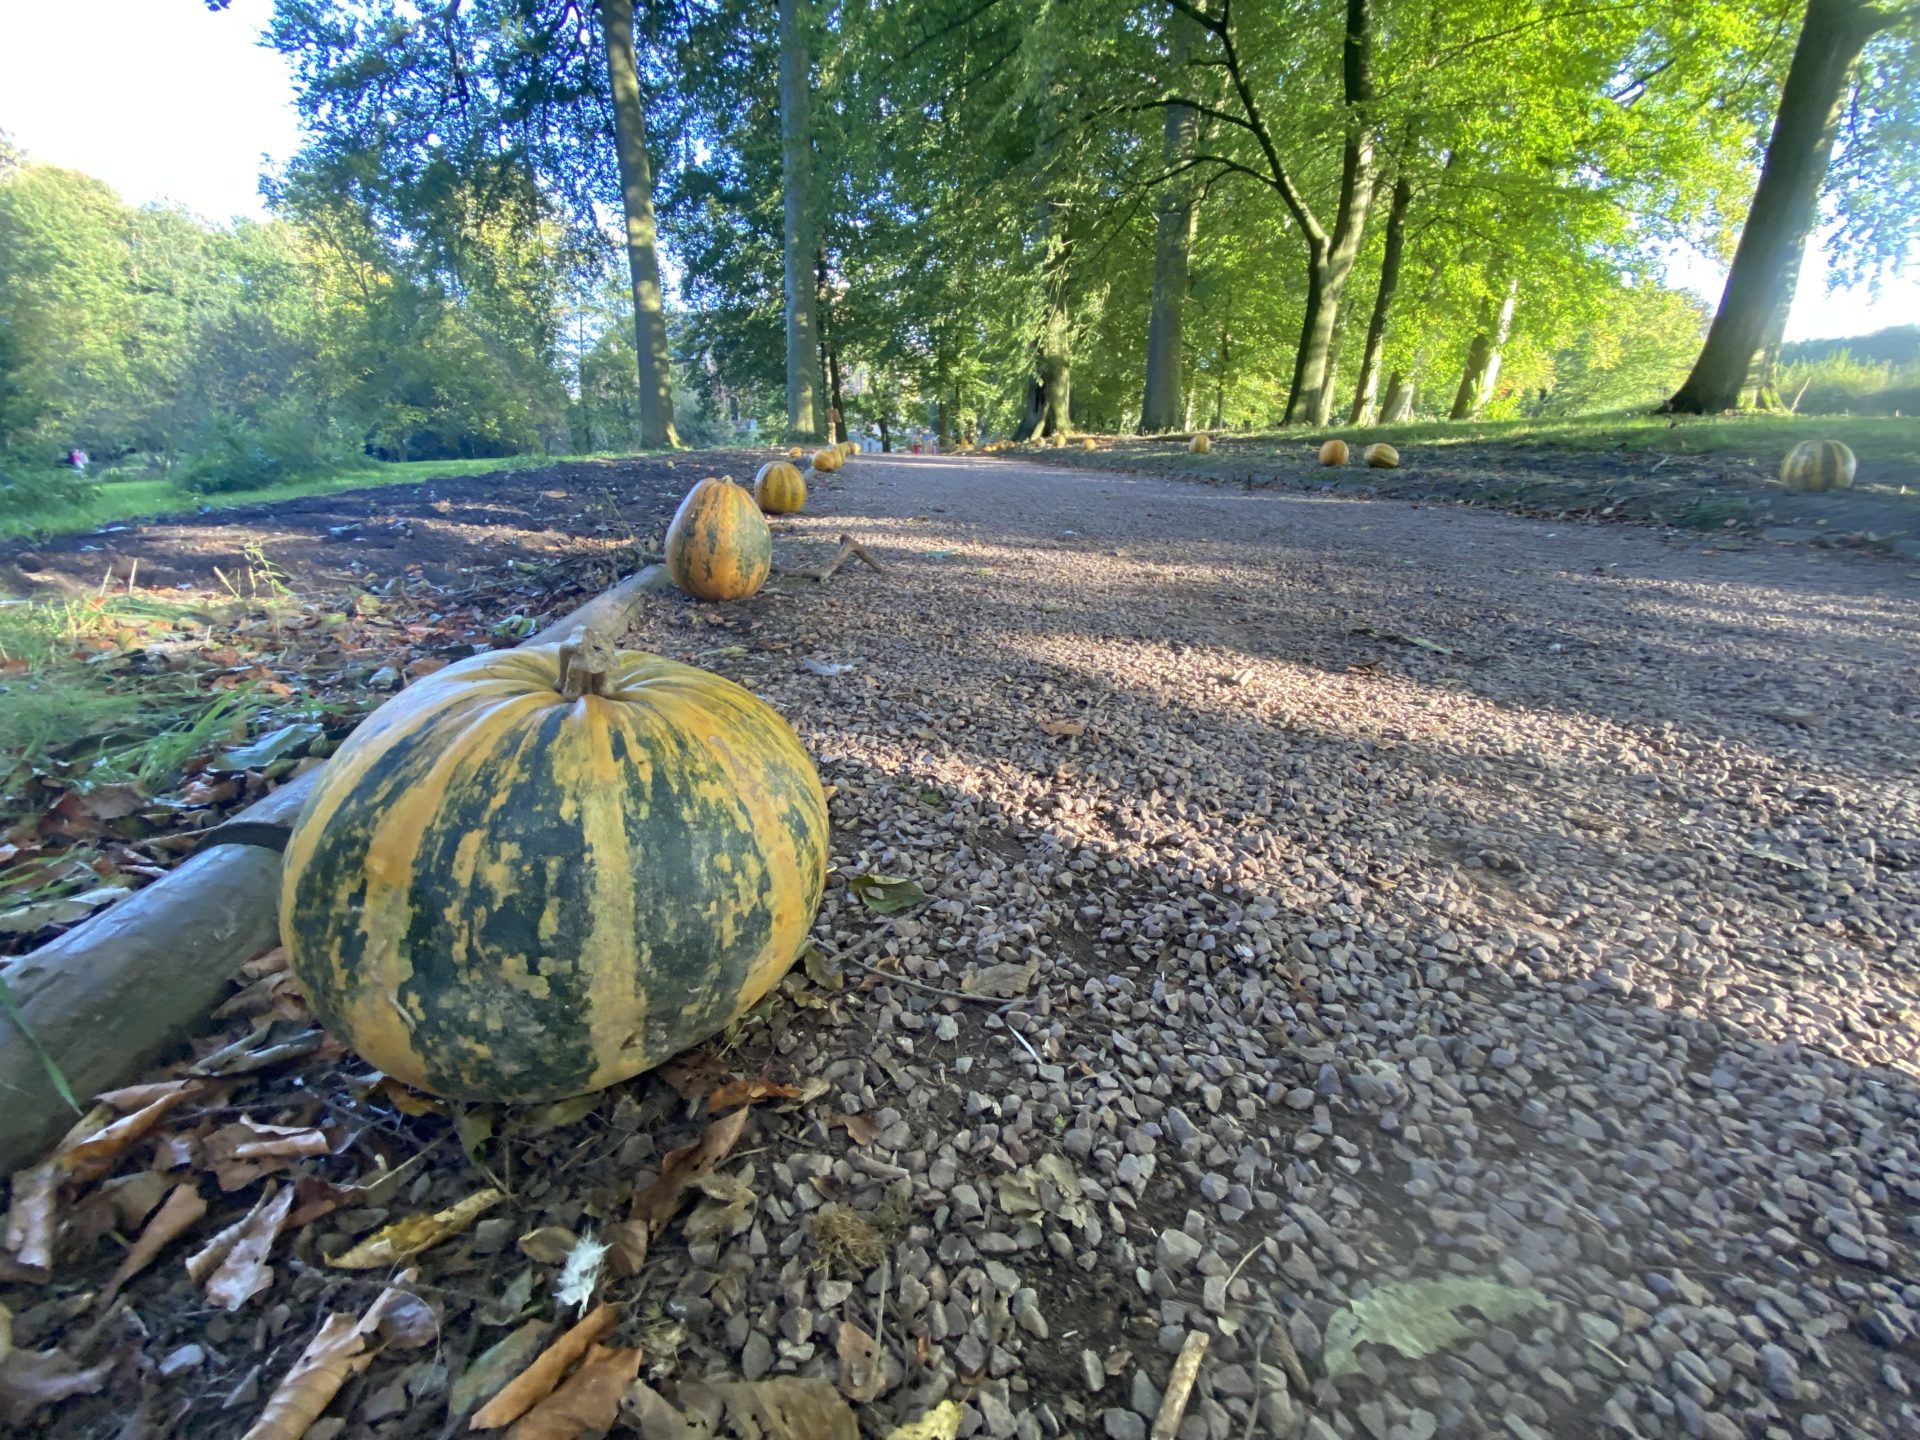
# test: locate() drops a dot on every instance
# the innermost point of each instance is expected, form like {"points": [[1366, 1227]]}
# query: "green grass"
{"points": [[137, 497], [60, 690], [1874, 439]]}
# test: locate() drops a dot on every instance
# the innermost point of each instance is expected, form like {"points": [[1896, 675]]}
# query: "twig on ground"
{"points": [[889, 975], [1026, 1045], [1259, 1382], [849, 548], [1186, 1370], [1289, 1357]]}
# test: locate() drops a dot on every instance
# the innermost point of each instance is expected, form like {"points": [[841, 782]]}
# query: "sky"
{"points": [[165, 100]]}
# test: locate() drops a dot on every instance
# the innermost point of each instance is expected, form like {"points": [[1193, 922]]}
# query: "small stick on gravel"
{"points": [[1186, 1370], [849, 547], [893, 978], [1259, 1381], [1289, 1357]]}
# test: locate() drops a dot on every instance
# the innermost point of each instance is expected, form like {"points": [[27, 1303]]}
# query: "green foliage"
{"points": [[231, 453]]}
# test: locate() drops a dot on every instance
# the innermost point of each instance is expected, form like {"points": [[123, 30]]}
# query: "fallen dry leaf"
{"points": [[537, 1381], [549, 1245], [277, 995], [940, 1423], [134, 1197], [1003, 980], [182, 1210], [315, 1197], [99, 1152], [333, 1357], [407, 1100], [661, 1201], [32, 1218], [240, 1153], [243, 1272], [626, 1247], [728, 1209], [338, 1353], [750, 1092], [175, 1152], [494, 1366], [31, 1380], [1063, 728], [406, 1238], [786, 1408], [692, 1075], [860, 1129], [138, 1097], [863, 1365], [587, 1404]]}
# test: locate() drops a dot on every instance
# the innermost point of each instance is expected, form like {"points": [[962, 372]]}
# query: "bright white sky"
{"points": [[164, 99]]}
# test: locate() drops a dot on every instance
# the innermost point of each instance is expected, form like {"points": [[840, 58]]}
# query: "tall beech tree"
{"points": [[801, 259], [468, 94], [1786, 202]]}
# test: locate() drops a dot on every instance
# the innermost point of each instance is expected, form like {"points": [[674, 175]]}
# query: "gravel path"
{"points": [[1431, 893]]}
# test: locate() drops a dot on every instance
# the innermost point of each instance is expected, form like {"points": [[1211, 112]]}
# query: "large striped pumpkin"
{"points": [[828, 460], [509, 886], [780, 489], [1200, 444], [718, 546], [1818, 465]]}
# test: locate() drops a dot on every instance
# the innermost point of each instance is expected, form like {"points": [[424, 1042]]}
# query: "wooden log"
{"points": [[110, 997]]}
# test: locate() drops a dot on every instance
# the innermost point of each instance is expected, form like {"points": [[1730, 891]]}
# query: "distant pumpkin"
{"points": [[1382, 457], [1818, 465], [1334, 452], [718, 546], [828, 461], [1199, 445], [797, 452], [780, 488], [1087, 444]]}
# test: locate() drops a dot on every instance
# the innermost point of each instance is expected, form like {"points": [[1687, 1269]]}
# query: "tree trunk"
{"points": [[655, 365], [1172, 245], [944, 420], [796, 171], [1363, 392], [1220, 380], [1330, 258], [1766, 384], [1050, 388], [886, 435], [1785, 204], [1399, 402], [836, 425], [1483, 357]]}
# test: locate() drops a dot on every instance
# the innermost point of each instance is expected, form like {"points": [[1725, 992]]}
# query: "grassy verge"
{"points": [[1875, 440], [142, 496]]}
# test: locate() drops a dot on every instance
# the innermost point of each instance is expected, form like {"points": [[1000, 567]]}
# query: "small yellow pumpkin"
{"points": [[1818, 465], [828, 461], [1200, 445], [1334, 452], [797, 452], [1382, 457], [780, 488], [718, 546], [1087, 444]]}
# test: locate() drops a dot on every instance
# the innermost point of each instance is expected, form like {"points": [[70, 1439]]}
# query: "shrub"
{"points": [[231, 454], [36, 491]]}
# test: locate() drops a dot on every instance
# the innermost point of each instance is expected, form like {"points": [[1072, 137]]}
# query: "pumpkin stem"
{"points": [[586, 659]]}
